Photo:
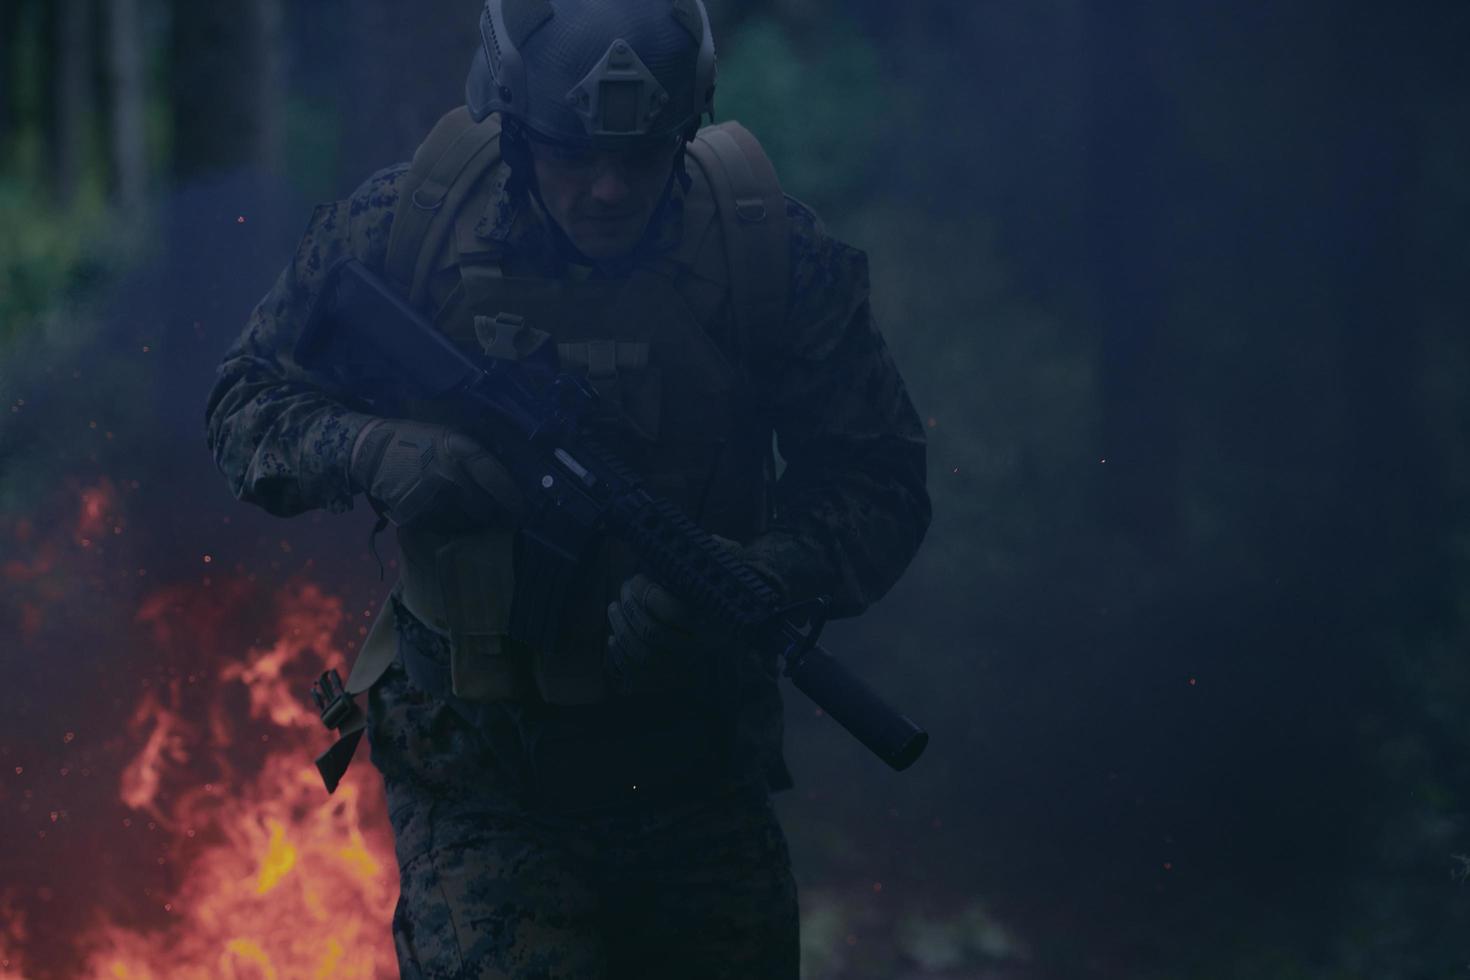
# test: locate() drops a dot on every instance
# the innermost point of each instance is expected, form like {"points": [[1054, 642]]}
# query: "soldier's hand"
{"points": [[424, 474], [657, 642]]}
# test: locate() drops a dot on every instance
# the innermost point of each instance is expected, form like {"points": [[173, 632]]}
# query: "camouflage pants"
{"points": [[697, 886]]}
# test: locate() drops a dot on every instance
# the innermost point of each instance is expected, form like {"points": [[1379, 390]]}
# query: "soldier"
{"points": [[600, 808]]}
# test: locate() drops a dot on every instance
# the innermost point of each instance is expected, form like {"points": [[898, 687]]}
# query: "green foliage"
{"points": [[858, 934], [58, 253], [46, 254], [971, 938], [818, 109], [313, 133], [54, 266]]}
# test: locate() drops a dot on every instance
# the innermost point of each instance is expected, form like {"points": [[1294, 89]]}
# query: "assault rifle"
{"points": [[538, 421]]}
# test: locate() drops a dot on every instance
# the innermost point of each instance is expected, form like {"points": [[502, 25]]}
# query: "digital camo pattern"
{"points": [[699, 884], [851, 505], [281, 441], [684, 885], [852, 502]]}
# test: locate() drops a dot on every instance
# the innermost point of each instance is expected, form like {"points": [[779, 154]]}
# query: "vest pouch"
{"points": [[461, 587], [620, 373]]}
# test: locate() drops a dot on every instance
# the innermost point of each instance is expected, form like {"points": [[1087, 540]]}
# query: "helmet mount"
{"points": [[619, 97], [606, 73]]}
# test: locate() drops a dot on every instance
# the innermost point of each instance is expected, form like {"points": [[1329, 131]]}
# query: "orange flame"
{"points": [[143, 776], [36, 569], [40, 575], [280, 880], [308, 620], [294, 888], [12, 934]]}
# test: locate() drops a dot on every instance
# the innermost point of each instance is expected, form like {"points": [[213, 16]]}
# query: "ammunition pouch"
{"points": [[461, 587], [582, 758]]}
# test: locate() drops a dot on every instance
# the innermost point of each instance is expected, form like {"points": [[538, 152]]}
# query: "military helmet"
{"points": [[600, 72]]}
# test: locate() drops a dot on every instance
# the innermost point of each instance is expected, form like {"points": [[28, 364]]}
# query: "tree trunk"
{"points": [[270, 150], [407, 68], [128, 137], [223, 118], [9, 32], [73, 95]]}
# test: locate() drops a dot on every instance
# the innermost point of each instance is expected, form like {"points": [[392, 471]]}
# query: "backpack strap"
{"points": [[752, 214], [337, 702], [445, 170]]}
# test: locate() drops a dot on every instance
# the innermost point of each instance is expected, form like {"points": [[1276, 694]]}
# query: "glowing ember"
{"points": [[97, 504]]}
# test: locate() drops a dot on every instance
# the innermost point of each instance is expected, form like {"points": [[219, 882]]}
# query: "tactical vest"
{"points": [[666, 345]]}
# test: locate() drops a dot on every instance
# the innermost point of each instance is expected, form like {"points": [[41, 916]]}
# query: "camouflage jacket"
{"points": [[851, 505]]}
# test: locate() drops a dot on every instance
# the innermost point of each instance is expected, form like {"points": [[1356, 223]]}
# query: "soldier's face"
{"points": [[603, 200]]}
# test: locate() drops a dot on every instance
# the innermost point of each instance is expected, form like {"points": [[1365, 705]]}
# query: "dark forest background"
{"points": [[1182, 291]]}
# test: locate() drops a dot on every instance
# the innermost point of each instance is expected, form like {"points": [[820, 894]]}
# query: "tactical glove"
{"points": [[657, 641], [422, 474]]}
